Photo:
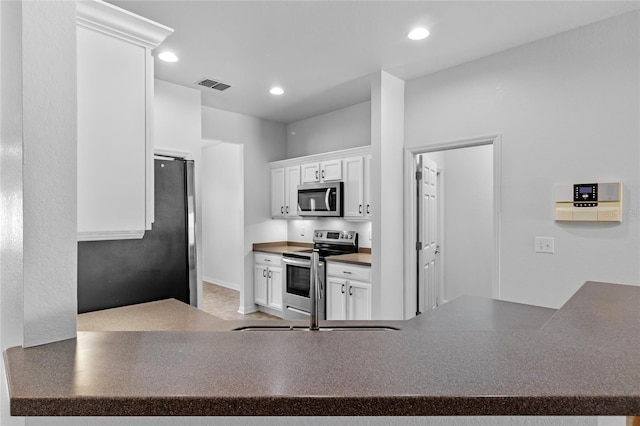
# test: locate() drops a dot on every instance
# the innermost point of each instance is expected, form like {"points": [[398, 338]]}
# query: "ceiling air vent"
{"points": [[213, 84]]}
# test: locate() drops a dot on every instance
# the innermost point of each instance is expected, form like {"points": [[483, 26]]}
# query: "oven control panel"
{"points": [[337, 237]]}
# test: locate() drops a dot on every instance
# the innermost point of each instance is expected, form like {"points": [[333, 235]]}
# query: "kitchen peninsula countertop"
{"points": [[162, 315], [471, 356]]}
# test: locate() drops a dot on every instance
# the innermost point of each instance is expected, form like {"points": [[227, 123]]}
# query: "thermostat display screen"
{"points": [[585, 194]]}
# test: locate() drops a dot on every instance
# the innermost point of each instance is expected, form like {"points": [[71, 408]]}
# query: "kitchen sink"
{"points": [[303, 328]]}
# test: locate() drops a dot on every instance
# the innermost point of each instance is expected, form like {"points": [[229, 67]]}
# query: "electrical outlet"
{"points": [[544, 245], [302, 232]]}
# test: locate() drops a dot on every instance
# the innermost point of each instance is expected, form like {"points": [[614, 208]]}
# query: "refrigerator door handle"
{"points": [[191, 232]]}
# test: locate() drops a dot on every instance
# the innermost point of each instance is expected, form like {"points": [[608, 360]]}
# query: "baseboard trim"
{"points": [[222, 283], [244, 310], [270, 311]]}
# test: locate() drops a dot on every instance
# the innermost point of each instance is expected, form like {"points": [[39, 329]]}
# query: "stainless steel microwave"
{"points": [[320, 199]]}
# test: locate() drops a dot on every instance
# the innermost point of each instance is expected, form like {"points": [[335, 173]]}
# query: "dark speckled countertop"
{"points": [[281, 247], [471, 356], [362, 258]]}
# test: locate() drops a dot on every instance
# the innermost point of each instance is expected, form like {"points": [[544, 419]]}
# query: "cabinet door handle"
{"points": [[287, 210], [323, 174], [264, 272], [316, 175], [342, 289], [360, 208], [267, 260], [346, 272], [281, 209], [350, 291], [269, 274], [368, 208]]}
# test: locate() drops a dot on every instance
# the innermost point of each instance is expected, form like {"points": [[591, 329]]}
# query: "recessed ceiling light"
{"points": [[276, 91], [168, 57], [418, 33]]}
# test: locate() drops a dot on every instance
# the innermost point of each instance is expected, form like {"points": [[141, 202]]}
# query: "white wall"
{"points": [[38, 249], [177, 127], [222, 217], [567, 108], [387, 257], [348, 127], [344, 128], [50, 141], [309, 225], [11, 193], [466, 246], [262, 141]]}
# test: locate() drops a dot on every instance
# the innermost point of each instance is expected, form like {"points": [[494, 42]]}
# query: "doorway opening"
{"points": [[453, 228], [222, 219], [222, 224]]}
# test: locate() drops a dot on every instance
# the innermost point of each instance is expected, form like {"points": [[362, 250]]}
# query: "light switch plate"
{"points": [[544, 245]]}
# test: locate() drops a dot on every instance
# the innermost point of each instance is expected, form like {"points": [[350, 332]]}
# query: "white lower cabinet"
{"points": [[267, 280], [348, 292]]}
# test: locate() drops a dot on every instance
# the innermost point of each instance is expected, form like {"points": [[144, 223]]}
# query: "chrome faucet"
{"points": [[314, 289]]}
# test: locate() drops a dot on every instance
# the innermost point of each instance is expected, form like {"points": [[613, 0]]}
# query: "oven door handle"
{"points": [[297, 262], [298, 311]]}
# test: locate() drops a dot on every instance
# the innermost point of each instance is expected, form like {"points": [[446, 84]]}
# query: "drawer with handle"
{"points": [[344, 270], [267, 259]]}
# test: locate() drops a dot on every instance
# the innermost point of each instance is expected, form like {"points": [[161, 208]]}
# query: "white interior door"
{"points": [[428, 234]]}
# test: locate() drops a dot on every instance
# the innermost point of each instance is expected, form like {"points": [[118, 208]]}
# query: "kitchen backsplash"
{"points": [[296, 228]]}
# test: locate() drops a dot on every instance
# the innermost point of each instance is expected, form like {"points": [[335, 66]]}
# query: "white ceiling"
{"points": [[323, 52]]}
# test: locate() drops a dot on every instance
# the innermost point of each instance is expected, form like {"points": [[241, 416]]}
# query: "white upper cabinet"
{"points": [[351, 166], [291, 189], [277, 192], [310, 172], [284, 192], [357, 187], [324, 171], [115, 127], [331, 170], [367, 186], [354, 187]]}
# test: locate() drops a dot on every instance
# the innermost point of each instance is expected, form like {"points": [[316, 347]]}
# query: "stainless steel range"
{"points": [[295, 298]]}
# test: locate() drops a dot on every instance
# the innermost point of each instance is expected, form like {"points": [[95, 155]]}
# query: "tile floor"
{"points": [[223, 303]]}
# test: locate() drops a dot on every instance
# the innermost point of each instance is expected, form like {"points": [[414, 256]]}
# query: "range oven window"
{"points": [[298, 280]]}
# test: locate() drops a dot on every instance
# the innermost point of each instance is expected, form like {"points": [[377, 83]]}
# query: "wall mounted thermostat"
{"points": [[594, 202]]}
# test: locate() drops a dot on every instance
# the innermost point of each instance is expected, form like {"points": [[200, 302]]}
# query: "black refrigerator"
{"points": [[159, 266]]}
